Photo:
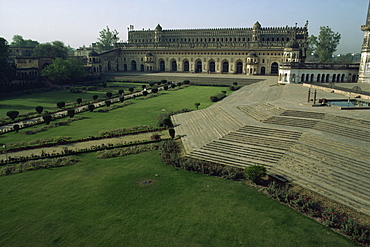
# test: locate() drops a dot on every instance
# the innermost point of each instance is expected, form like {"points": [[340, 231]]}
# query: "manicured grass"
{"points": [[142, 112], [102, 203]]}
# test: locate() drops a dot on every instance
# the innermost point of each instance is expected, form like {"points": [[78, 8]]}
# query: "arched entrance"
{"points": [[173, 66], [212, 67], [133, 65], [198, 68], [142, 67], [125, 67], [161, 66], [186, 66], [225, 67], [263, 71], [239, 67], [109, 65], [274, 68]]}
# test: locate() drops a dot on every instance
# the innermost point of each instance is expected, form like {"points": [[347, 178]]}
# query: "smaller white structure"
{"points": [[296, 72]]}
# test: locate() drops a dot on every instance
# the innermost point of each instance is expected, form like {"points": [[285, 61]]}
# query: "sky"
{"points": [[78, 22]]}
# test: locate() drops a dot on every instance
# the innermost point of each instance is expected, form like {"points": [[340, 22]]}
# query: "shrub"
{"points": [[95, 97], [165, 87], [179, 84], [217, 97], [121, 99], [155, 90], [143, 86], [163, 116], [107, 103], [145, 93], [197, 105], [12, 114], [255, 173], [61, 104], [121, 91], [173, 85], [91, 107], [79, 100], [186, 82], [39, 109], [109, 94], [232, 88], [162, 82], [131, 89], [172, 132], [16, 127], [71, 113], [235, 83], [47, 118], [156, 137]]}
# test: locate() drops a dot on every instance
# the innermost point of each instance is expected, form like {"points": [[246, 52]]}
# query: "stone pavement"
{"points": [[324, 149]]}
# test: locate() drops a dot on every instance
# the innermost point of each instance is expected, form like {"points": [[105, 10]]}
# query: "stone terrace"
{"points": [[324, 149]]}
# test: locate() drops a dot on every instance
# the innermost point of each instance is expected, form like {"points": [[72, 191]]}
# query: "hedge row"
{"points": [[36, 165], [118, 152]]}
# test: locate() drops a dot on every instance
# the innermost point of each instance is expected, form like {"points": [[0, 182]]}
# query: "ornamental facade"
{"points": [[252, 51]]}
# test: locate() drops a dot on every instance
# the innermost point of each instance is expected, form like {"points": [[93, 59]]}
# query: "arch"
{"points": [[186, 65], [327, 78], [354, 78], [318, 78], [125, 67], [161, 66], [322, 77], [173, 65], [198, 67], [274, 68], [142, 68], [307, 77], [109, 65], [338, 77], [133, 65], [263, 70], [212, 66], [100, 68], [239, 67], [302, 80], [311, 80], [225, 67], [333, 78], [342, 78]]}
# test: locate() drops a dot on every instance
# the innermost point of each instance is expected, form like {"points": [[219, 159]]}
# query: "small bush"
{"points": [[61, 104], [12, 114], [255, 173]]}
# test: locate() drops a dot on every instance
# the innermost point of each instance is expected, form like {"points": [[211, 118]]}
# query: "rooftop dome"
{"points": [[292, 44], [257, 25], [252, 54], [158, 28]]}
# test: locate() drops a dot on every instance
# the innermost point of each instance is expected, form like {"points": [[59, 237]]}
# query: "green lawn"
{"points": [[102, 203], [142, 112]]}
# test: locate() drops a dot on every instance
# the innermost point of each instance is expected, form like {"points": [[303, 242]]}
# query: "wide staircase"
{"points": [[326, 153]]}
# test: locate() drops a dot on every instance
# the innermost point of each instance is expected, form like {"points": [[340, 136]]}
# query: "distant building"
{"points": [[251, 51]]}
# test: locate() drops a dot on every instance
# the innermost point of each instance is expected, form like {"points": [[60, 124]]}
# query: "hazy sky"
{"points": [[78, 22]]}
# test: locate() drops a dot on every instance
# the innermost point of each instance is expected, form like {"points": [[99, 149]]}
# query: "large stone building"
{"points": [[250, 51]]}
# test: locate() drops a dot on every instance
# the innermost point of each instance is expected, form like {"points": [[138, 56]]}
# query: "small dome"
{"points": [[158, 28], [257, 25], [252, 54], [292, 44], [149, 54]]}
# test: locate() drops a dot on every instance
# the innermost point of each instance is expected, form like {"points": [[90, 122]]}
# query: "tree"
{"points": [[172, 132], [71, 113], [107, 39], [167, 122], [121, 91], [165, 87], [155, 90], [131, 89], [54, 49], [39, 109], [109, 94], [12, 114], [108, 103], [16, 128], [186, 82], [197, 105], [79, 100], [61, 104], [47, 118], [18, 41], [145, 93], [95, 97], [7, 70], [325, 44], [91, 107], [121, 99], [255, 173], [64, 71]]}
